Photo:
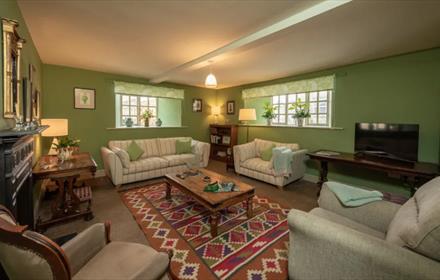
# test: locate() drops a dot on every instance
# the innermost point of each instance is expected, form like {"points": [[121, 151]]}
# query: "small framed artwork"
{"points": [[230, 107], [226, 140], [84, 98], [35, 105], [197, 105]]}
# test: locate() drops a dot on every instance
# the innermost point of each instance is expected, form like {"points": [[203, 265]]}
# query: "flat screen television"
{"points": [[391, 141]]}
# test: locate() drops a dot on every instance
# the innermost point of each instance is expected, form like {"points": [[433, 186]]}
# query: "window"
{"points": [[319, 107], [133, 106]]}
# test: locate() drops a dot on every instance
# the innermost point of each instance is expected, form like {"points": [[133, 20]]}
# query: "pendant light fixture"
{"points": [[211, 80]]}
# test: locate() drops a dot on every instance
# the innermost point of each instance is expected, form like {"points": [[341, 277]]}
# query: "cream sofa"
{"points": [[159, 158], [248, 162]]}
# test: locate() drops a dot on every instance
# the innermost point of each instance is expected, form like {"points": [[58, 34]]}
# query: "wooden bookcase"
{"points": [[222, 137]]}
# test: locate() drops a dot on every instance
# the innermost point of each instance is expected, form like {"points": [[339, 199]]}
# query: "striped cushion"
{"points": [[174, 160], [149, 146], [257, 164], [145, 165], [262, 145], [167, 146]]}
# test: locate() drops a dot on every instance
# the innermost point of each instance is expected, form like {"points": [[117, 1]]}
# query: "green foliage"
{"points": [[301, 109], [66, 142], [269, 111], [147, 114]]}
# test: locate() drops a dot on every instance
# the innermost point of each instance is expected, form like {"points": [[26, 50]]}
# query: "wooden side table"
{"points": [[71, 194]]}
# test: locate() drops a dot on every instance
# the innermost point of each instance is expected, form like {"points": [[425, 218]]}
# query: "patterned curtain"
{"points": [[149, 90], [320, 83]]}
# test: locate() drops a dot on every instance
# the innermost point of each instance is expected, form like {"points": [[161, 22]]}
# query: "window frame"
{"points": [[138, 109], [329, 114]]}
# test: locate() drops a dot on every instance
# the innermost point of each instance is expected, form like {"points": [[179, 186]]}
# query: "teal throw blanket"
{"points": [[353, 196], [282, 161]]}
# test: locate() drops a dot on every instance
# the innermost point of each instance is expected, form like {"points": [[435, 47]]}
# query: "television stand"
{"points": [[414, 174]]}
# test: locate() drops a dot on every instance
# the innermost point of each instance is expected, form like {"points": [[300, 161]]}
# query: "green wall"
{"points": [[400, 89], [91, 126]]}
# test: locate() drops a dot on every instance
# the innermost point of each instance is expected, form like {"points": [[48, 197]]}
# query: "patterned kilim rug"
{"points": [[244, 249]]}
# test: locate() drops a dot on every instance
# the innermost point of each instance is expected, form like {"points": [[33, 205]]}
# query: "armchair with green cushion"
{"points": [[25, 254], [379, 240]]}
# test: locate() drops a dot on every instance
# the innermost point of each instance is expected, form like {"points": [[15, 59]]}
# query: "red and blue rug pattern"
{"points": [[254, 249]]}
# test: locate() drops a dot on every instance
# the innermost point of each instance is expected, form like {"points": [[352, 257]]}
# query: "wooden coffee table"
{"points": [[214, 202]]}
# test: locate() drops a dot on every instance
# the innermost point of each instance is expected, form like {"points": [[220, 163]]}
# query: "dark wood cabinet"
{"points": [[223, 137]]}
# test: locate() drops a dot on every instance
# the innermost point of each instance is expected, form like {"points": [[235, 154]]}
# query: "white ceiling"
{"points": [[148, 38]]}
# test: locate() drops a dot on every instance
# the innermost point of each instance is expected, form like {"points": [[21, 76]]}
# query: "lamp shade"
{"points": [[211, 81], [57, 127], [215, 110], [247, 114]]}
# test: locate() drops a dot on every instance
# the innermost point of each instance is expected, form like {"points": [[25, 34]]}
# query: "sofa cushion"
{"points": [[333, 217], [150, 147], [174, 160], [266, 155], [134, 151], [145, 164], [417, 223], [183, 147], [167, 146], [123, 260], [257, 164], [262, 145], [123, 156]]}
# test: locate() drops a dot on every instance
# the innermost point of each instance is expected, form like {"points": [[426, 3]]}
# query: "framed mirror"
{"points": [[11, 48]]}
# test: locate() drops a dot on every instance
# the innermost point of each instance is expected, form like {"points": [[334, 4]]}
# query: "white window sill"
{"points": [[286, 126], [143, 127]]}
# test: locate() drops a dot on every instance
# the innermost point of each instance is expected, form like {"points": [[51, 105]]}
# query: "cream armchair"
{"points": [[248, 162], [25, 254], [159, 158], [379, 240]]}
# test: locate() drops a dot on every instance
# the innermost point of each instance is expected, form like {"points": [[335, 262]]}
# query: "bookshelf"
{"points": [[223, 137]]}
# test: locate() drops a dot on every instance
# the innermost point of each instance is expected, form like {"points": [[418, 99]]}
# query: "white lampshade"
{"points": [[215, 110], [211, 81], [57, 127], [248, 114]]}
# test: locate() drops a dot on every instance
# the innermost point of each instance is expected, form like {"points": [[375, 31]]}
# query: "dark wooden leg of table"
{"points": [[323, 171], [214, 223], [58, 205], [250, 207], [168, 191]]}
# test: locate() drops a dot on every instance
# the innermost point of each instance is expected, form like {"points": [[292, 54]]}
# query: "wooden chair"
{"points": [[25, 254]]}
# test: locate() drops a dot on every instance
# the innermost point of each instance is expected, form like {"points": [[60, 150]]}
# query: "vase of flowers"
{"points": [[66, 147], [301, 110], [146, 116], [269, 112]]}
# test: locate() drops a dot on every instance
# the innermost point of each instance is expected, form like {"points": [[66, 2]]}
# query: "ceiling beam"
{"points": [[290, 21]]}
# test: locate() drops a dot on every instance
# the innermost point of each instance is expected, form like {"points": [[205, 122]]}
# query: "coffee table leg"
{"points": [[214, 222], [168, 191], [250, 207]]}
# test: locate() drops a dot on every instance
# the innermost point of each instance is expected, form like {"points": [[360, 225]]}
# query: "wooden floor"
{"points": [[107, 204]]}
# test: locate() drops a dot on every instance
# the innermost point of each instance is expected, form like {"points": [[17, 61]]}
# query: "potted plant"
{"points": [[66, 147], [269, 112], [146, 116], [301, 111]]}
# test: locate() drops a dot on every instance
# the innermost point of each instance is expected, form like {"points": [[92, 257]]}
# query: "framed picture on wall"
{"points": [[35, 105], [230, 107], [84, 98], [197, 105]]}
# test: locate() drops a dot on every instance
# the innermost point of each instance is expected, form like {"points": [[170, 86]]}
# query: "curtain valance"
{"points": [[320, 83], [142, 89]]}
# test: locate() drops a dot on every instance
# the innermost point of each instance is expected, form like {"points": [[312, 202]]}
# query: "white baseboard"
{"points": [[311, 178]]}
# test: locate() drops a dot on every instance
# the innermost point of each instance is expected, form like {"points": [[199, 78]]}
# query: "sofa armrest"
{"points": [[112, 165], [85, 246], [243, 152], [320, 249], [201, 149], [377, 215], [299, 163]]}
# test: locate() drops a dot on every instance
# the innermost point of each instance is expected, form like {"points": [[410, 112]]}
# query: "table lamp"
{"points": [[215, 110], [57, 128], [245, 115]]}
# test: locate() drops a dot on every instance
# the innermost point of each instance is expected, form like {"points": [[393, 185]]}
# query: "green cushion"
{"points": [[134, 151], [183, 147], [267, 153]]}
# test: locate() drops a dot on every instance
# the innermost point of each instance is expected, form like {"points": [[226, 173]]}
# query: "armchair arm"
{"points": [[85, 245], [320, 249], [243, 152], [377, 215], [112, 165], [202, 149]]}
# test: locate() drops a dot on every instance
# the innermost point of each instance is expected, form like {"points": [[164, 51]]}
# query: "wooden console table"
{"points": [[414, 174], [70, 195]]}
